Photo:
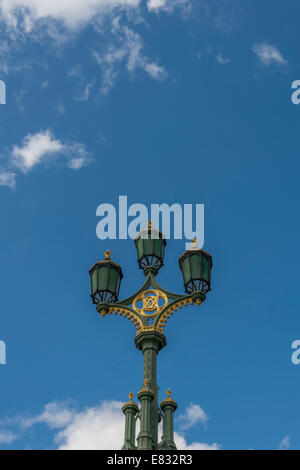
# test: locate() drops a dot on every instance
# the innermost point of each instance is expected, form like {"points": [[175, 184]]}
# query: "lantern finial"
{"points": [[194, 244], [130, 396], [169, 393], [107, 255], [150, 224]]}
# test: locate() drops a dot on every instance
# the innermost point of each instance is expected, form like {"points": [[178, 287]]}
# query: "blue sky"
{"points": [[163, 101]]}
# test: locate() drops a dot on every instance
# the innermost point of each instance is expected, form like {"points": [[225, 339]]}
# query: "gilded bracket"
{"points": [[151, 306]]}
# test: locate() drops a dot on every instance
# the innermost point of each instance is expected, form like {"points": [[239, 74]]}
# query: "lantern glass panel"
{"points": [[205, 268], [112, 283], [195, 266], [148, 246], [186, 270], [157, 247], [102, 278], [94, 281], [140, 247]]}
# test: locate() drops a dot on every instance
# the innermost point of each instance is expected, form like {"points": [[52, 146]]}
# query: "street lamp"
{"points": [[196, 267], [149, 309], [106, 278], [150, 245]]}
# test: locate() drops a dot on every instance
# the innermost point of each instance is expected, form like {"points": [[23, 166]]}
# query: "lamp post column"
{"points": [[150, 343], [130, 409], [145, 395], [169, 406]]}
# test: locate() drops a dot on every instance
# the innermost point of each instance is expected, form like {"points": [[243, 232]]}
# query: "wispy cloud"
{"points": [[60, 108], [7, 437], [77, 163], [84, 93], [41, 148], [76, 72], [8, 178], [26, 15], [192, 415], [222, 60], [285, 443], [127, 47], [268, 54], [167, 5], [56, 415]]}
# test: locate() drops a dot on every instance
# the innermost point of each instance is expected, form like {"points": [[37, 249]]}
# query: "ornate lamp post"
{"points": [[149, 309]]}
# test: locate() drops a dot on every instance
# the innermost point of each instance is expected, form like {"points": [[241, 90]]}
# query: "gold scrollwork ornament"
{"points": [[150, 299]]}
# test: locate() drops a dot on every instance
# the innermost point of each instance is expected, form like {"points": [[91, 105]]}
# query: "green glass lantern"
{"points": [[106, 278], [195, 265], [150, 245]]}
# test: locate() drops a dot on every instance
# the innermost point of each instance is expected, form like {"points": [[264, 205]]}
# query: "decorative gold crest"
{"points": [[150, 302]]}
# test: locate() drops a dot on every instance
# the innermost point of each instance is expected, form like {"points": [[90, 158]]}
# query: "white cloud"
{"points": [[128, 47], [285, 443], [60, 108], [192, 415], [34, 149], [76, 71], [222, 60], [42, 146], [156, 4], [77, 155], [102, 427], [55, 415], [182, 444], [19, 97], [7, 437], [25, 14], [166, 5], [268, 54], [96, 428], [8, 178], [155, 71], [77, 163], [39, 148], [35, 19], [109, 63], [84, 94]]}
